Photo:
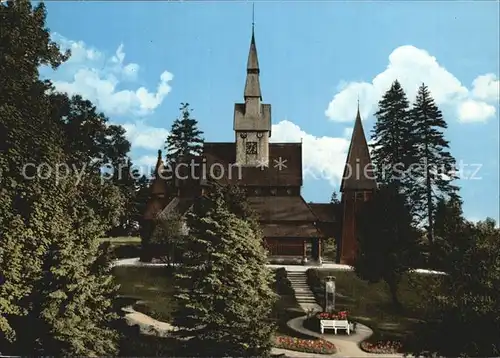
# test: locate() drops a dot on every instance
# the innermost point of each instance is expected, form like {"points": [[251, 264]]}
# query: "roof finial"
{"points": [[253, 15]]}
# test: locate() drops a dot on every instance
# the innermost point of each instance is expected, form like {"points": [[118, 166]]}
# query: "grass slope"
{"points": [[371, 305]]}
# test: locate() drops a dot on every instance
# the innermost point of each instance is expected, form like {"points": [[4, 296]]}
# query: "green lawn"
{"points": [[371, 305], [122, 239], [150, 286]]}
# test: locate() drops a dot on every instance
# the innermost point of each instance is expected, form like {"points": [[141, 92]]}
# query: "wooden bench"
{"points": [[334, 324]]}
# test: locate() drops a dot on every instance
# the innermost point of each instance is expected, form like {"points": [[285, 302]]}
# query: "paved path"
{"points": [[146, 323], [347, 345], [289, 268]]}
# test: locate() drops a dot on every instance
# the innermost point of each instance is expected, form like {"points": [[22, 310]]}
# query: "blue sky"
{"points": [[138, 60]]}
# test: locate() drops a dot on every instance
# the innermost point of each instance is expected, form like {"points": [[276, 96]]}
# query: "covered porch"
{"points": [[294, 250]]}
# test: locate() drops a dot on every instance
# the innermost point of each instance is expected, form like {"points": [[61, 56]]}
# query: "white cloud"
{"points": [[475, 111], [348, 132], [145, 164], [142, 135], [99, 78], [486, 87], [323, 157], [412, 66]]}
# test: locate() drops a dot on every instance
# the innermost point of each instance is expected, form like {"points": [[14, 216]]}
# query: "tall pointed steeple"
{"points": [[252, 119], [252, 84], [358, 171]]}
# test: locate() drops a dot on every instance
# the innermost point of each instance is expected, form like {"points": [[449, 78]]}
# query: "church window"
{"points": [[251, 147]]}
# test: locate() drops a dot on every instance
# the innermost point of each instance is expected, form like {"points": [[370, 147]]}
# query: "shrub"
{"points": [[283, 284]]}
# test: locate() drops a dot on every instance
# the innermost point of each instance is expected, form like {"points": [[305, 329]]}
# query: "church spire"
{"points": [[252, 84], [358, 172]]}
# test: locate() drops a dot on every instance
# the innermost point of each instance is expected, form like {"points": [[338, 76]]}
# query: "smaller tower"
{"points": [[159, 191], [252, 119], [358, 185]]}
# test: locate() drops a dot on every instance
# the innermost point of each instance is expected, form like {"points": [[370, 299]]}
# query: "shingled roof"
{"points": [[224, 154], [252, 84], [358, 172], [281, 208], [325, 212]]}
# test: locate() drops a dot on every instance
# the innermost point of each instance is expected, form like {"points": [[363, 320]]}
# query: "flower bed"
{"points": [[340, 316], [305, 345], [383, 347]]}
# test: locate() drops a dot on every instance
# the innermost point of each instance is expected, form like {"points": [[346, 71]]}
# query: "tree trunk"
{"points": [[429, 202], [392, 282]]}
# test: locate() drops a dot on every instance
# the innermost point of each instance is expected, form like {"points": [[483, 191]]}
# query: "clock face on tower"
{"points": [[251, 147]]}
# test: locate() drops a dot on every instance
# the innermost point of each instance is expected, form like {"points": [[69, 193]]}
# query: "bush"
{"points": [[283, 284], [316, 284]]}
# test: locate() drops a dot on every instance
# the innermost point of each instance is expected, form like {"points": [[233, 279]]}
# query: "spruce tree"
{"points": [[387, 242], [435, 168], [393, 151], [185, 138], [223, 286]]}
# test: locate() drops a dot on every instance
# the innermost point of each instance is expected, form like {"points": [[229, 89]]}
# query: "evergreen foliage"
{"points": [[223, 286], [464, 319], [393, 151], [185, 138], [435, 167], [448, 228], [168, 235], [387, 242]]}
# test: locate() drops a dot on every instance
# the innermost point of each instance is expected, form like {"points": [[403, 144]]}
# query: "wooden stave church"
{"points": [[294, 230]]}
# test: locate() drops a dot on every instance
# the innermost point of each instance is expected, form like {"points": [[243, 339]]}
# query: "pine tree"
{"points": [[334, 198], [223, 287], [393, 151], [387, 242], [185, 138], [436, 168]]}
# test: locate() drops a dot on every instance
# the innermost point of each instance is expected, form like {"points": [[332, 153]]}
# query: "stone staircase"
{"points": [[303, 293]]}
